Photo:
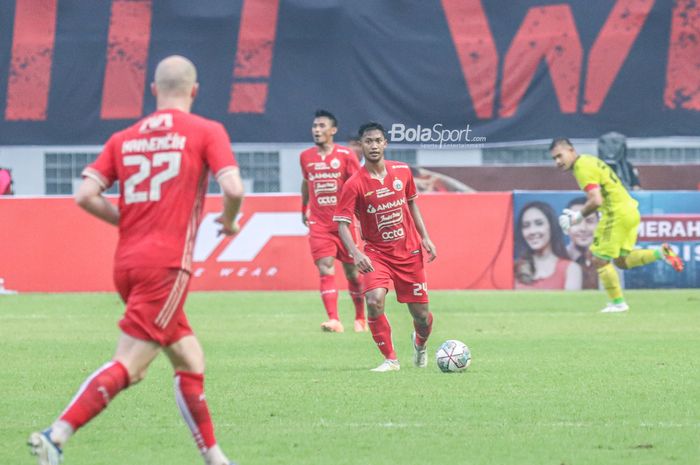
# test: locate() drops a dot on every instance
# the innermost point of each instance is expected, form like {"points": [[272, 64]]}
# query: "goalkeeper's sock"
{"points": [[381, 333], [611, 282], [329, 295], [95, 393], [641, 257]]}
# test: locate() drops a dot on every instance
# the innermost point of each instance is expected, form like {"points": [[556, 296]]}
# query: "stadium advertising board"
{"points": [[74, 252], [672, 217]]}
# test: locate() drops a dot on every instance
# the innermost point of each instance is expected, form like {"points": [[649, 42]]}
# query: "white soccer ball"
{"points": [[453, 356]]}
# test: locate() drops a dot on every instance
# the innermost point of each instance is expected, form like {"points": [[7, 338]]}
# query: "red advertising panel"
{"points": [[50, 245]]}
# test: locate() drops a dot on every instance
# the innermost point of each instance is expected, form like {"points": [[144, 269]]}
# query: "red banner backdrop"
{"points": [[50, 245]]}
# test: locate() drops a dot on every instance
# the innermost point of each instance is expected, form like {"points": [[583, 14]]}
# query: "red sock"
{"points": [[381, 333], [355, 288], [189, 394], [329, 295], [95, 393], [422, 332]]}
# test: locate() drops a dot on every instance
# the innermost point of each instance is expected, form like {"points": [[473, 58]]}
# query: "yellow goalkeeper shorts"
{"points": [[616, 234]]}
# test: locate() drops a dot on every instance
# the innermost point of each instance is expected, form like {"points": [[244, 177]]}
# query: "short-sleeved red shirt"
{"points": [[162, 165], [381, 205], [325, 176]]}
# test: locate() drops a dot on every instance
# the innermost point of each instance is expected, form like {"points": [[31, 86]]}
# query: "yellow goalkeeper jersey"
{"points": [[591, 172]]}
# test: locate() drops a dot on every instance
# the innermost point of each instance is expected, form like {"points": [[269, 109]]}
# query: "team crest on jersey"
{"points": [[160, 122], [371, 209], [335, 163], [398, 185]]}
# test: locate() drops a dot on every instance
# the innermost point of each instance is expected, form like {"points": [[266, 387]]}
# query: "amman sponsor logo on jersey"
{"points": [[385, 206], [314, 176]]}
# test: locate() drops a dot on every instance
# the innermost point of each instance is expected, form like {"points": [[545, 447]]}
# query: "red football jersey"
{"points": [[162, 165], [325, 176], [381, 205]]}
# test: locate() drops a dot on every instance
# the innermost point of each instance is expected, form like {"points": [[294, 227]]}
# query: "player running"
{"points": [[616, 233], [382, 196], [325, 169], [162, 165]]}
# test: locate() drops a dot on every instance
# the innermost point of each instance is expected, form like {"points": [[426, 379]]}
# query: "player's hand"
{"points": [[430, 248], [304, 219], [228, 228], [362, 262], [569, 218]]}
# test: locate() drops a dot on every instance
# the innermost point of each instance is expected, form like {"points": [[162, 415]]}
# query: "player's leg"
{"points": [[131, 359], [412, 289], [608, 240], [329, 293], [633, 258], [135, 351], [187, 358], [380, 328], [355, 282], [356, 293], [641, 257]]}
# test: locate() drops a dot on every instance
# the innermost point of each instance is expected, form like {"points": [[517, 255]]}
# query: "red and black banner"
{"points": [[72, 72]]}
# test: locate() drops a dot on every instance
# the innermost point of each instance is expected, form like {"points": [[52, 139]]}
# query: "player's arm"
{"points": [[362, 261], [422, 230], [304, 202], [594, 199], [233, 192], [89, 197]]}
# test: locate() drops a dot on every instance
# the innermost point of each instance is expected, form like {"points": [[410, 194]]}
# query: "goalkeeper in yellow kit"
{"points": [[616, 233]]}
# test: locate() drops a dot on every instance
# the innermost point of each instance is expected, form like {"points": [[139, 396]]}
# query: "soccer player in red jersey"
{"points": [[325, 169], [162, 164], [382, 196]]}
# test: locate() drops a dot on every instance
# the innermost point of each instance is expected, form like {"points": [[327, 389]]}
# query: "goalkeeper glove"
{"points": [[569, 218]]}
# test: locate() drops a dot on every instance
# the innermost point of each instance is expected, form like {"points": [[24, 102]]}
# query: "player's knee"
{"points": [[137, 375], [621, 263], [375, 306]]}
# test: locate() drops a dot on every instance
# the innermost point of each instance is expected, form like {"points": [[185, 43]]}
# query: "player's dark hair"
{"points": [[327, 114], [370, 126], [525, 264], [560, 141], [576, 201]]}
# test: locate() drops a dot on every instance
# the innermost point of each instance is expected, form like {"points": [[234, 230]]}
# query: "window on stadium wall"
{"points": [[261, 170], [532, 155], [664, 155], [539, 155], [62, 171], [404, 155]]}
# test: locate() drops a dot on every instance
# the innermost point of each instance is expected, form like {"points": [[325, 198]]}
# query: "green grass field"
{"points": [[552, 382]]}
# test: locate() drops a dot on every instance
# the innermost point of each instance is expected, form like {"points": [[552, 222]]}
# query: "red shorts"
{"points": [[154, 299], [328, 244], [408, 277]]}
